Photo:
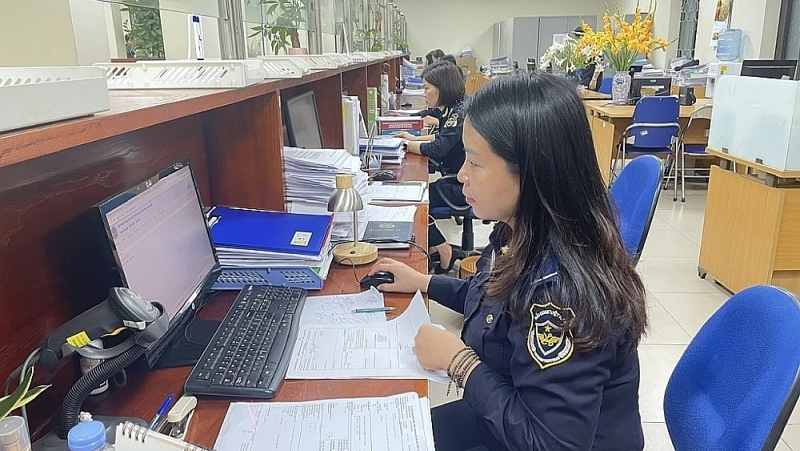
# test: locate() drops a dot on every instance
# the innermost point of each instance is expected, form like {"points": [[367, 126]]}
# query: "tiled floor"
{"points": [[679, 304]]}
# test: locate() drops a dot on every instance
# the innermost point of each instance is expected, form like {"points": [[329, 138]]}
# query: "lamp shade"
{"points": [[345, 197]]}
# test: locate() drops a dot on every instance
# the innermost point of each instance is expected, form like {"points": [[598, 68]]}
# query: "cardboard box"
{"points": [[468, 65], [391, 125]]}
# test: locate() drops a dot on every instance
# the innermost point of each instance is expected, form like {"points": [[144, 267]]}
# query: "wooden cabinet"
{"points": [[750, 232], [51, 176]]}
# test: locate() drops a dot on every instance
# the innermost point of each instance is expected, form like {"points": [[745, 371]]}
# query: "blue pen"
{"points": [[161, 411], [373, 310]]}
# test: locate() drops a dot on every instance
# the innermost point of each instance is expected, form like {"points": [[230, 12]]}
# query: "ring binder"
{"points": [[132, 437]]}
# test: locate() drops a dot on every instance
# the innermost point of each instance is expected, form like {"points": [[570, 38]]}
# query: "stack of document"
{"points": [[389, 148], [311, 178], [399, 422], [260, 238]]}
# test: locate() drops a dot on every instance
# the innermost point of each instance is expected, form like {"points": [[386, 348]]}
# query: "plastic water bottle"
{"points": [[89, 436], [729, 44]]}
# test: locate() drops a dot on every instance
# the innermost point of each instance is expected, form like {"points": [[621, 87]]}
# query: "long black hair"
{"points": [[538, 125], [448, 79]]}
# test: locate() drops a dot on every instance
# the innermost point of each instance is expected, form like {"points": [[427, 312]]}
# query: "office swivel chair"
{"points": [[635, 195], [605, 86], [654, 130], [737, 382]]}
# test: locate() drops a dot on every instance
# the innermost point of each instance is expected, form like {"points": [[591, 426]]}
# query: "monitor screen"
{"points": [[650, 86], [302, 121], [158, 236], [769, 68]]}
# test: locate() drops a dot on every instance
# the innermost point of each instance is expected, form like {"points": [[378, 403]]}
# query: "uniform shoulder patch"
{"points": [[452, 121], [548, 343]]}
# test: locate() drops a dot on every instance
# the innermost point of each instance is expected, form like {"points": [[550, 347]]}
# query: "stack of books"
{"points": [[310, 176], [388, 148]]}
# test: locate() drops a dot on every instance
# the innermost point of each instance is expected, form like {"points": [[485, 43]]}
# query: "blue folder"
{"points": [[272, 231]]}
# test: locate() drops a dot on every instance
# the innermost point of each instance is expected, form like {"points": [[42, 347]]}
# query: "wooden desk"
{"points": [[750, 232], [146, 390], [51, 264], [588, 94], [608, 121]]}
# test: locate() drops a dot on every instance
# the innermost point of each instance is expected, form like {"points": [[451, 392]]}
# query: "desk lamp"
{"points": [[346, 198]]}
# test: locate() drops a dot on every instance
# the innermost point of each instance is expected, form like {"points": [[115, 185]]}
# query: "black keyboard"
{"points": [[250, 351]]}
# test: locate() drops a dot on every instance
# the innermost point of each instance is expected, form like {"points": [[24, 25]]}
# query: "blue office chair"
{"points": [[736, 384], [695, 151], [654, 130], [605, 86], [635, 195]]}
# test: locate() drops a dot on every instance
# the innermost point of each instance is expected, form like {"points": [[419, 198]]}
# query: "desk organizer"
{"points": [[358, 57], [342, 59], [37, 95], [183, 74], [314, 62], [282, 67], [289, 61]]}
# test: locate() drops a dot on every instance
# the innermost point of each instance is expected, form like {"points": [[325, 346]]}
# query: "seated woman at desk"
{"points": [[444, 92], [547, 356]]}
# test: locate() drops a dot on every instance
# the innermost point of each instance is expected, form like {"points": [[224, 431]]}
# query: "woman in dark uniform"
{"points": [[547, 356], [443, 88]]}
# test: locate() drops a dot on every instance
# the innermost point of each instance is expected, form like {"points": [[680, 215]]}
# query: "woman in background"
{"points": [[547, 356], [443, 90]]}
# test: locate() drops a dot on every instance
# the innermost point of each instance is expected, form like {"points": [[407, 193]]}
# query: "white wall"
{"points": [[758, 20], [451, 25], [36, 35]]}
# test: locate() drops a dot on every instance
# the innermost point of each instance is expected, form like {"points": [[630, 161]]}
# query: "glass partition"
{"points": [[208, 8], [275, 26]]}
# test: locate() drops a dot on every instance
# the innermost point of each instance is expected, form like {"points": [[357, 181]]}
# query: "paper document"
{"points": [[339, 309], [403, 191], [392, 423], [369, 351]]}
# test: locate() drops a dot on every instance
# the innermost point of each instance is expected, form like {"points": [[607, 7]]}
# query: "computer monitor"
{"points": [[302, 121], [649, 86], [162, 247], [769, 68]]}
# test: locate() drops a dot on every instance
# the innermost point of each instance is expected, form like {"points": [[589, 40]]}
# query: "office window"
{"points": [[688, 28], [788, 45]]}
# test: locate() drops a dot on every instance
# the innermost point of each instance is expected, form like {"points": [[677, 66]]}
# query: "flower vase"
{"points": [[620, 88]]}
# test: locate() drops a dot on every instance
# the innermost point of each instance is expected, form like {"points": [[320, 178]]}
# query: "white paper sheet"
{"points": [[339, 309], [393, 423], [368, 351]]}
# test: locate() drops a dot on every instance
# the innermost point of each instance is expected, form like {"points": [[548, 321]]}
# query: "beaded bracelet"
{"points": [[464, 359]]}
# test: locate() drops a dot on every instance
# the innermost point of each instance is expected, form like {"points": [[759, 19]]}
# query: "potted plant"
{"points": [[21, 396], [370, 39], [143, 32], [565, 56], [285, 19], [620, 43]]}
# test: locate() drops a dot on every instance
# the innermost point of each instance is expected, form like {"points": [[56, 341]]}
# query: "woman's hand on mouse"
{"points": [[406, 279]]}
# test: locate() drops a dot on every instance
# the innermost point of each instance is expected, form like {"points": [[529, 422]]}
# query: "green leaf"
{"points": [[9, 403]]}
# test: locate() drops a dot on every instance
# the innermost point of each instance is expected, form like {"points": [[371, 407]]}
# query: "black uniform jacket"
{"points": [[531, 390], [448, 147]]}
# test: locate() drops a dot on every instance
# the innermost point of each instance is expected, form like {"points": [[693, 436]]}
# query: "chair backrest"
{"points": [[737, 382], [635, 194], [648, 122], [701, 112], [605, 86], [474, 82]]}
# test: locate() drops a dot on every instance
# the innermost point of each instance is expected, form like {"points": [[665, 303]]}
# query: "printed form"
{"points": [[380, 350], [393, 423]]}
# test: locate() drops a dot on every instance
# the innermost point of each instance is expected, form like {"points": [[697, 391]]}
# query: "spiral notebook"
{"points": [[131, 437]]}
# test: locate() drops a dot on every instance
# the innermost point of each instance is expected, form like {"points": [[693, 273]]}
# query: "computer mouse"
{"points": [[377, 279], [384, 175]]}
